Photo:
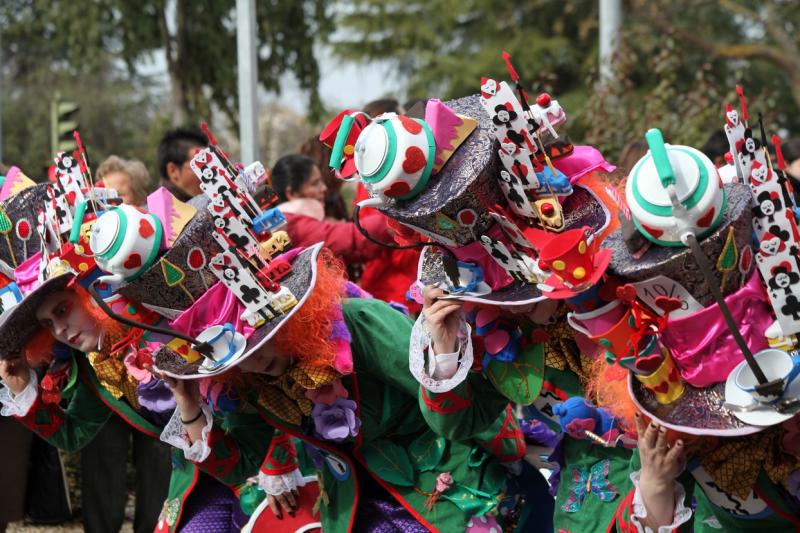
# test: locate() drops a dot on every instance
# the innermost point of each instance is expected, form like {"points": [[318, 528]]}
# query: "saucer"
{"points": [[766, 416]]}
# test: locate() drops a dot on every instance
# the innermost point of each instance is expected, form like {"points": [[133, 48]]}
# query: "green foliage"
{"points": [[678, 63], [95, 53], [443, 47]]}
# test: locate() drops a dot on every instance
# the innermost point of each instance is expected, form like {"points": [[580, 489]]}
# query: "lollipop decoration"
{"points": [[5, 228], [196, 261], [24, 233], [174, 276]]}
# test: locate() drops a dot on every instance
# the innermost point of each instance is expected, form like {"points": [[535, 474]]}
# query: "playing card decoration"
{"points": [[524, 179], [774, 223], [245, 234]]}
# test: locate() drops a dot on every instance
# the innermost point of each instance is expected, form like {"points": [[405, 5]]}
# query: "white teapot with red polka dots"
{"points": [[394, 156], [125, 241]]}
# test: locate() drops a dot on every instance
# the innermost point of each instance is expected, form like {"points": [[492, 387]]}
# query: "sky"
{"points": [[343, 84]]}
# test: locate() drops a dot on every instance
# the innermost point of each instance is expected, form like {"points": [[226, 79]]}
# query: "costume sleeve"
{"points": [[231, 455], [69, 428], [632, 510], [19, 404], [471, 410], [280, 471]]}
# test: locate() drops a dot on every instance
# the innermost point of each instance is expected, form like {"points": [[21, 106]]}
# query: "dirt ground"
{"points": [[69, 527]]}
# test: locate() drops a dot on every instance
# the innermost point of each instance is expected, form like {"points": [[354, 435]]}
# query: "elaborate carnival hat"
{"points": [[718, 319], [491, 186]]}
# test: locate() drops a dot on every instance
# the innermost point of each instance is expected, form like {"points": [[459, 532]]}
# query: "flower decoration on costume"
{"points": [[336, 422], [138, 364], [443, 483]]}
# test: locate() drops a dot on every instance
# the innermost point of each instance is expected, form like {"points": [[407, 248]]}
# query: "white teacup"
{"points": [[776, 365]]}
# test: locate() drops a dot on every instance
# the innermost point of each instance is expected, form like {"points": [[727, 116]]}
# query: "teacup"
{"points": [[597, 321], [776, 365]]}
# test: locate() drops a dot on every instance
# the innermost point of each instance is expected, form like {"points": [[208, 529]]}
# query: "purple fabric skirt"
{"points": [[379, 512], [212, 508]]}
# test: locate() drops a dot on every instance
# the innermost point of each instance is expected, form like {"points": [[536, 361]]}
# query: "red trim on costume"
{"points": [[509, 430], [435, 405], [624, 510], [793, 519], [213, 464], [46, 430], [555, 390], [185, 496], [88, 381], [389, 488], [319, 444], [272, 465]]}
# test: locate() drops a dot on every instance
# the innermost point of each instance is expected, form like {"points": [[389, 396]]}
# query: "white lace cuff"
{"points": [[175, 435], [277, 485], [443, 366], [19, 404], [441, 375], [680, 516]]}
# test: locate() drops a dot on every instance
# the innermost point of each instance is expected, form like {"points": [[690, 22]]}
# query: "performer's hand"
{"points": [[443, 318], [186, 393], [661, 465], [15, 373], [287, 500]]}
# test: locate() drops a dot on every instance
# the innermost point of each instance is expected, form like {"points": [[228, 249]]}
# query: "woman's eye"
{"points": [[47, 324]]}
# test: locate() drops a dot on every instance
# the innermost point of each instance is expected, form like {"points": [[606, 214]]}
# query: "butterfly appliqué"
{"points": [[595, 480]]}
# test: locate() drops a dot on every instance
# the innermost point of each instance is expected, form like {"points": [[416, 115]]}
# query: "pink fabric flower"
{"points": [[443, 482], [327, 394], [135, 364]]}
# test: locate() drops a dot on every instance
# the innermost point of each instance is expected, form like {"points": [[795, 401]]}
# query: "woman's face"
{"points": [[266, 360], [121, 182], [68, 321], [314, 187]]}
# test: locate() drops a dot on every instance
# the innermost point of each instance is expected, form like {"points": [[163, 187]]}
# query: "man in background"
{"points": [[175, 150]]}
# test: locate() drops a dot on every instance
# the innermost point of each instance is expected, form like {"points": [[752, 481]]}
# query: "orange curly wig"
{"points": [[307, 334]]}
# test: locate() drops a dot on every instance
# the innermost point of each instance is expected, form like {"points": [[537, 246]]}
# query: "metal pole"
{"points": [[248, 79], [610, 25]]}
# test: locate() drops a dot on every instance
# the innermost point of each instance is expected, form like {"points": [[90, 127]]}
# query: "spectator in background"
{"points": [[298, 183], [175, 150], [104, 460], [129, 177], [632, 152], [716, 147], [15, 447], [791, 154], [335, 207]]}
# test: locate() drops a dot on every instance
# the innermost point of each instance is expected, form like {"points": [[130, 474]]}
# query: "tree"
{"points": [[200, 48], [677, 66], [443, 47]]}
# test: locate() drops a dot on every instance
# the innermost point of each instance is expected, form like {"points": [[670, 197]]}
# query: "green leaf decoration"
{"points": [[427, 450], [729, 257], [5, 222], [172, 274], [519, 381], [389, 462], [474, 502]]}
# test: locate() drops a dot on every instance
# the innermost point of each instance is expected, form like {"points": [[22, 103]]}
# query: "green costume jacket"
{"points": [[89, 407], [408, 435]]}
